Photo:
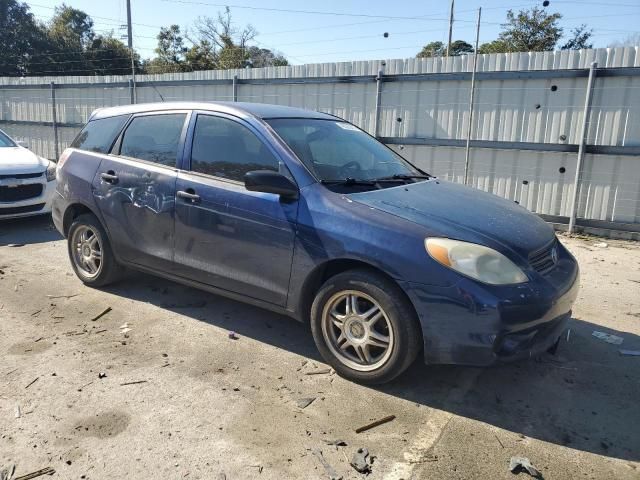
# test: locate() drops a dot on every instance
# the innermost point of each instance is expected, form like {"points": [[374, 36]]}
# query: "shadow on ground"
{"points": [[29, 230], [585, 397]]}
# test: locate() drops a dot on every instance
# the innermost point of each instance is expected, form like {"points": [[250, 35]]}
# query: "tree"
{"points": [[531, 30], [439, 49], [201, 56], [171, 47], [71, 28], [107, 55], [432, 49], [263, 57], [497, 46], [20, 37], [632, 40], [579, 38]]}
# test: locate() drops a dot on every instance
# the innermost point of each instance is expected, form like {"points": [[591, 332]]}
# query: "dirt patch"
{"points": [[102, 425], [28, 348]]}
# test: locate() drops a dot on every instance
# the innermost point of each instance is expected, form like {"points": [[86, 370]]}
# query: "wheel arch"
{"points": [[72, 212], [321, 273]]}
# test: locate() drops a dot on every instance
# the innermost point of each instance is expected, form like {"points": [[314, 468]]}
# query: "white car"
{"points": [[27, 181]]}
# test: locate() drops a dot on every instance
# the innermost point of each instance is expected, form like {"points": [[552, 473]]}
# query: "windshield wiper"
{"points": [[347, 181], [400, 176]]}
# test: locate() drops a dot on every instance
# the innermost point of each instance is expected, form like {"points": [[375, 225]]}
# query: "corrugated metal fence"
{"points": [[528, 114]]}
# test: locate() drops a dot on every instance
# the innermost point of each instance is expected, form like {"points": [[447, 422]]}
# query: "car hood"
{"points": [[20, 160], [463, 213]]}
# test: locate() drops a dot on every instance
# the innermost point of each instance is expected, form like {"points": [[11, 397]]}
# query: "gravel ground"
{"points": [[209, 407]]}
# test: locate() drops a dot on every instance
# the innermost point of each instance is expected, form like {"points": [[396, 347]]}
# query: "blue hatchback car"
{"points": [[305, 214]]}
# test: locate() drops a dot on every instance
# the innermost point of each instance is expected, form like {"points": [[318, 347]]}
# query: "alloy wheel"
{"points": [[87, 251], [357, 330]]}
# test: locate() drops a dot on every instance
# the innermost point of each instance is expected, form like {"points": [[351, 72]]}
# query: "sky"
{"points": [[346, 30]]}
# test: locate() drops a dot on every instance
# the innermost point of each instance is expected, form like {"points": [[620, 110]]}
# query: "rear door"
{"points": [[135, 188], [227, 236]]}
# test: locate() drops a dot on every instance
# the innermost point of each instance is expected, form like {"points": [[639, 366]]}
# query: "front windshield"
{"points": [[5, 141], [335, 150]]}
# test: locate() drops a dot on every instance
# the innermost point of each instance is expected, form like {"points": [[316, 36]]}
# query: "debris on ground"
{"points": [[14, 245], [124, 328], [7, 472], [362, 461], [319, 372], [101, 314], [523, 464], [337, 443], [375, 424], [233, 335], [18, 412], [607, 337], [102, 375], [62, 296], [29, 476], [32, 382], [601, 245], [133, 383], [305, 402], [333, 475], [631, 353]]}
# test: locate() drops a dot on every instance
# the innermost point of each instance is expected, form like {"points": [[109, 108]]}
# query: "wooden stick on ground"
{"points": [[375, 424]]}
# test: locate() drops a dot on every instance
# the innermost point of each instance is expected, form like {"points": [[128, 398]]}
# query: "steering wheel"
{"points": [[350, 169]]}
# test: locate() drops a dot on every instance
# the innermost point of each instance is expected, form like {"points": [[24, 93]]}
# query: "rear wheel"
{"points": [[365, 327], [90, 252]]}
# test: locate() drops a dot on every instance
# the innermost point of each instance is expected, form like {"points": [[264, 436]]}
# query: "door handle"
{"points": [[189, 195], [109, 177]]}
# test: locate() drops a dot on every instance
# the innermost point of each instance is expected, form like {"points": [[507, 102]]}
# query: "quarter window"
{"points": [[98, 135], [154, 138], [224, 148]]}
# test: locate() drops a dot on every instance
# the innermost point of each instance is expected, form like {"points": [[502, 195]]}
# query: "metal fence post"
{"points": [[583, 134], [376, 118], [132, 88], [471, 95], [54, 118], [235, 88]]}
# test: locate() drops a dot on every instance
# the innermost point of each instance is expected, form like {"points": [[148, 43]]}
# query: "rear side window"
{"points": [[98, 135], [154, 138], [227, 149]]}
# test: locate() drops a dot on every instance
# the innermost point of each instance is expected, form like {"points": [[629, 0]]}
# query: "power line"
{"points": [[287, 10]]}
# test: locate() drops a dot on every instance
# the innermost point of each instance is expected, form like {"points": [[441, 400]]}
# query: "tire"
{"points": [[86, 239], [351, 334]]}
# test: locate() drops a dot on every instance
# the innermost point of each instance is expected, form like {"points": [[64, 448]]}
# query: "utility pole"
{"points": [[471, 95], [450, 28], [130, 43]]}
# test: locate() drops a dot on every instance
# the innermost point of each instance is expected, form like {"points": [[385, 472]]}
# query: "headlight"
{"points": [[475, 261], [51, 172]]}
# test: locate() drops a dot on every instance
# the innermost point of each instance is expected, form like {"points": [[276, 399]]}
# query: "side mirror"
{"points": [[268, 181], [22, 143]]}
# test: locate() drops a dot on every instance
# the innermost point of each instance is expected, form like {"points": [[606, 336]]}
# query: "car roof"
{"points": [[242, 109]]}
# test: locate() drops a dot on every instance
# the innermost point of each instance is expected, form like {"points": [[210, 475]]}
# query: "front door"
{"points": [[227, 236], [135, 186]]}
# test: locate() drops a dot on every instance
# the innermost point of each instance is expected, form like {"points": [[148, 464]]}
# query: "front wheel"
{"points": [[365, 327]]}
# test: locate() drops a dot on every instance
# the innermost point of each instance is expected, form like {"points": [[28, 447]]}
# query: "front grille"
{"points": [[19, 193], [543, 260], [18, 210], [21, 175]]}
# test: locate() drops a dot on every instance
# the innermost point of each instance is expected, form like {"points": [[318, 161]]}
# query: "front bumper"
{"points": [[38, 205], [474, 324]]}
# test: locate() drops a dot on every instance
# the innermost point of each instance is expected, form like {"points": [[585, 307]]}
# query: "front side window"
{"points": [[224, 148], [335, 150], [154, 138], [5, 141], [99, 135]]}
